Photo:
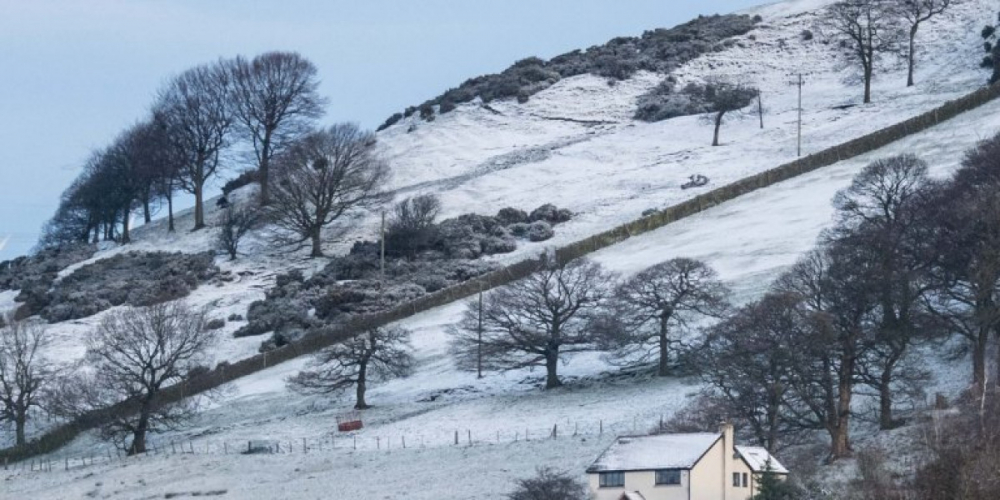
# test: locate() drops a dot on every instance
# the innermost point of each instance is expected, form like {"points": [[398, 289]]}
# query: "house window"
{"points": [[612, 479], [745, 480], [668, 476], [736, 479]]}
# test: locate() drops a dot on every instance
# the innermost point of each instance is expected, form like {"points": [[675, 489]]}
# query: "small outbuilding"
{"points": [[703, 466]]}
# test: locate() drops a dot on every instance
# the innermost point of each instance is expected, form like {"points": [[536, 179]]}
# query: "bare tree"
{"points": [[195, 109], [867, 29], [132, 355], [411, 225], [235, 224], [837, 309], [24, 372], [376, 354], [549, 484], [915, 13], [748, 360], [883, 215], [275, 100], [322, 176], [722, 98], [657, 306], [967, 271], [534, 321]]}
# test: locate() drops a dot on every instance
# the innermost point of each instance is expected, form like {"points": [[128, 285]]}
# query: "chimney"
{"points": [[728, 450], [726, 429]]}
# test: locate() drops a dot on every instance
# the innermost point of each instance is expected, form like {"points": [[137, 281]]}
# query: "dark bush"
{"points": [[540, 231], [133, 278], [806, 35], [427, 112], [510, 215], [660, 50], [446, 107], [392, 120], [244, 179], [215, 324], [549, 213]]}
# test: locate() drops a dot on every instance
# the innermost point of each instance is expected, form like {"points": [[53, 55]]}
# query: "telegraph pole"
{"points": [[800, 117], [382, 250], [760, 109], [479, 331]]}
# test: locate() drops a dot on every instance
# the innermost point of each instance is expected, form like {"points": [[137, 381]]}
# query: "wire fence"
{"points": [[362, 442]]}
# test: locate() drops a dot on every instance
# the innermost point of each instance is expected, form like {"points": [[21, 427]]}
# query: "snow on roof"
{"points": [[664, 451], [757, 457]]}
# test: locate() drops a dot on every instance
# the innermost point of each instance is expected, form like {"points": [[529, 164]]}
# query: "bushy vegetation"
{"points": [[990, 44], [42, 267], [422, 257], [133, 278], [659, 50]]}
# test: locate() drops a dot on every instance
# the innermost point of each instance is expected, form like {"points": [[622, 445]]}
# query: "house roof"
{"points": [[757, 458], [664, 451]]}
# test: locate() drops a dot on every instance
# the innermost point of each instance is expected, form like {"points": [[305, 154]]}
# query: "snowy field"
{"points": [[607, 173], [575, 145], [749, 240]]}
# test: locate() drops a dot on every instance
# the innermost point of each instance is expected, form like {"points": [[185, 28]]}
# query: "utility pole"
{"points": [[800, 117], [760, 109], [479, 331], [382, 260]]}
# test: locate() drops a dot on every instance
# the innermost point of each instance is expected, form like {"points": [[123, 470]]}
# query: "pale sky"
{"points": [[73, 73]]}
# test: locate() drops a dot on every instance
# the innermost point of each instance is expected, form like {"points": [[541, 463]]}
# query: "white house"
{"points": [[696, 466]]}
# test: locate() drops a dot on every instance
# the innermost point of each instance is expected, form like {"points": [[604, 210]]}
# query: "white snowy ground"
{"points": [[478, 161], [748, 241], [612, 168]]}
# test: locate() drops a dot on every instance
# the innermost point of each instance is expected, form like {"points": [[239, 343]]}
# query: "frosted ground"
{"points": [[606, 173]]}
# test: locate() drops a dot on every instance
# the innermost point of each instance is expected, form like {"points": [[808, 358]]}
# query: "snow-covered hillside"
{"points": [[574, 145]]}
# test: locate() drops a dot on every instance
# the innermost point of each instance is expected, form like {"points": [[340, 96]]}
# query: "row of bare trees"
{"points": [[873, 29], [262, 104], [910, 261], [132, 355]]}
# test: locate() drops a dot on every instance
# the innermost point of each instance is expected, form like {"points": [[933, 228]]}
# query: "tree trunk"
{"points": [[911, 57], [868, 83], [551, 369], [170, 212], [262, 170], [886, 421], [139, 434], [317, 246], [125, 223], [19, 424], [199, 206], [360, 403], [979, 358], [840, 445], [147, 217], [718, 125], [664, 367]]}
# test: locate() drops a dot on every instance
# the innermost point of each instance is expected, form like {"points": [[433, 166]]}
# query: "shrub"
{"points": [[215, 324], [806, 35], [540, 231], [548, 484], [392, 120], [244, 179], [509, 215], [661, 50], [446, 107], [549, 213]]}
